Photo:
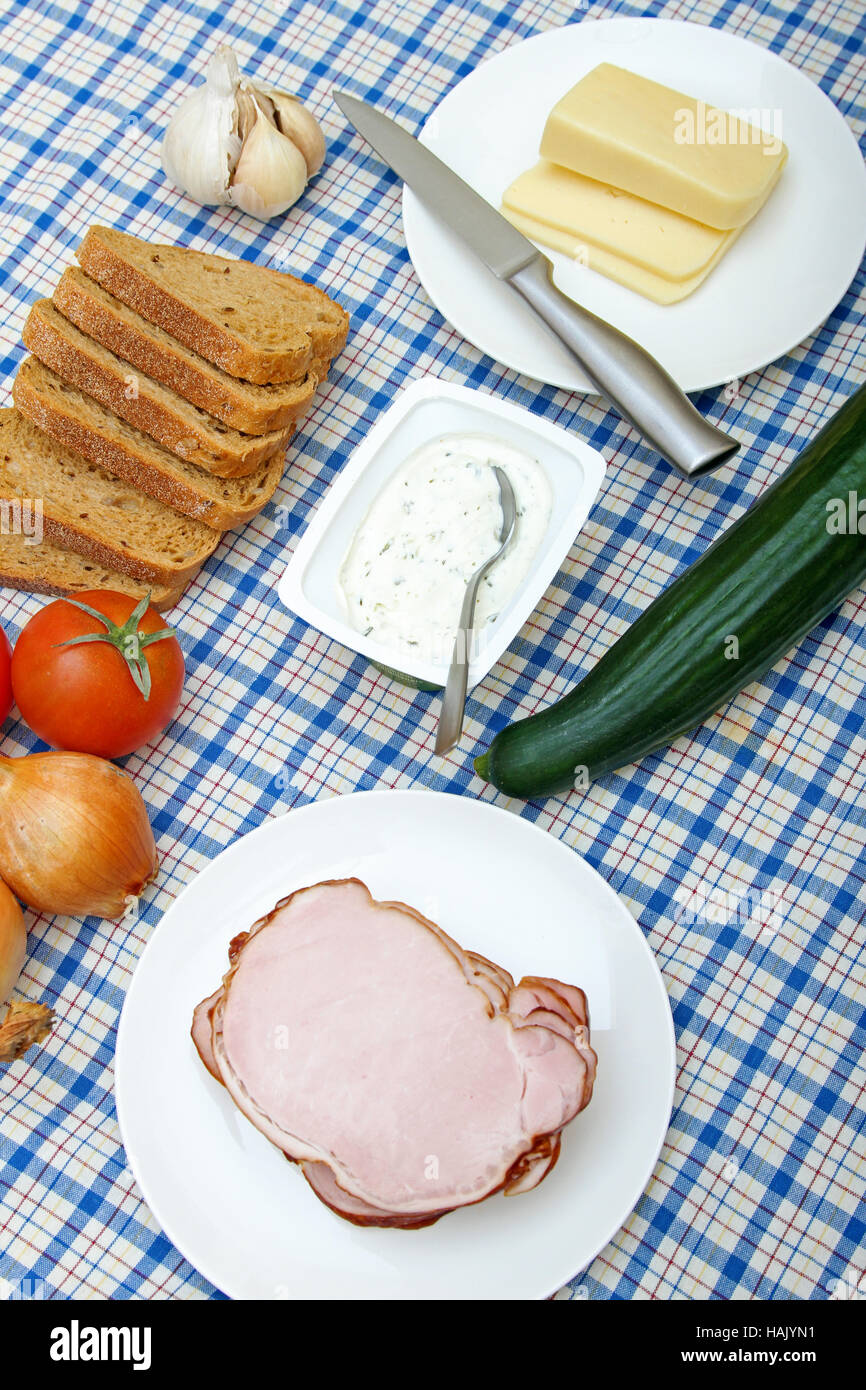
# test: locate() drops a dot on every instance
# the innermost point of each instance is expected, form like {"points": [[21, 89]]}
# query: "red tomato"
{"points": [[5, 680], [84, 697]]}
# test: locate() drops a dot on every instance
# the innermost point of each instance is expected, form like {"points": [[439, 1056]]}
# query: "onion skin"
{"points": [[5, 676], [24, 1025], [13, 942], [75, 838]]}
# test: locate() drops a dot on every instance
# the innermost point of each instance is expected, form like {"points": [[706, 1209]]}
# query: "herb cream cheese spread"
{"points": [[434, 523]]}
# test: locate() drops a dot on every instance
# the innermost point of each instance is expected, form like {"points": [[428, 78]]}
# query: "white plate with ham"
{"points": [[353, 999]]}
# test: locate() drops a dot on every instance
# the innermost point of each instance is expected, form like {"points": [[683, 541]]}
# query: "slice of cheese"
{"points": [[650, 249], [661, 241], [672, 149], [624, 272]]}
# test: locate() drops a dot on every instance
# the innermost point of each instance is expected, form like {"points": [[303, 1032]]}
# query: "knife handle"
{"points": [[631, 379]]}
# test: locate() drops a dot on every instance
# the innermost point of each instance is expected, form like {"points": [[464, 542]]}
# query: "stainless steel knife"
{"points": [[631, 379]]}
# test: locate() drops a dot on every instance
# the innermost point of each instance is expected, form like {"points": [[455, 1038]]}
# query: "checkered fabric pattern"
{"points": [[758, 1190]]}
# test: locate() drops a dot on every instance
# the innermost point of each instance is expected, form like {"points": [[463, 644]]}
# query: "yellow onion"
{"points": [[74, 834], [13, 942]]}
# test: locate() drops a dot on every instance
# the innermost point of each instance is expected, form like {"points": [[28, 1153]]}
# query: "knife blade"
{"points": [[624, 372], [490, 235]]}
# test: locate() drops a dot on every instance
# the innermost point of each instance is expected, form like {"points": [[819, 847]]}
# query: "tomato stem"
{"points": [[125, 638]]}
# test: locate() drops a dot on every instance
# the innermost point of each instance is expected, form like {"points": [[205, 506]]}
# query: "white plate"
{"points": [[229, 1200], [420, 412], [773, 289]]}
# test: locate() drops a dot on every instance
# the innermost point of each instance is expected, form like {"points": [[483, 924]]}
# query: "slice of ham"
{"points": [[406, 1076], [321, 1178], [202, 1032]]}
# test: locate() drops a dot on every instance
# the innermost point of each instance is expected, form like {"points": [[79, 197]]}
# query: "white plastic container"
{"points": [[424, 410]]}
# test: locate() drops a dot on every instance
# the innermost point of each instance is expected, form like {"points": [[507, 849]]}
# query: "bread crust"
{"points": [[48, 569], [70, 537], [81, 510], [64, 348], [250, 409], [160, 596], [110, 452], [100, 256]]}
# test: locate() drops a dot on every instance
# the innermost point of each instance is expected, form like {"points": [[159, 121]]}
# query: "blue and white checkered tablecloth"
{"points": [[758, 1190]]}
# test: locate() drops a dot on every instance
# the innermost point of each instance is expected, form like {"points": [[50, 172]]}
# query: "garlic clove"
{"points": [[261, 99], [295, 121], [201, 144], [247, 107], [271, 173]]}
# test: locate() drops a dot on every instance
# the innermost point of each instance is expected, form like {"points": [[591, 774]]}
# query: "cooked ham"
{"points": [[321, 1178], [405, 1075], [201, 1032]]}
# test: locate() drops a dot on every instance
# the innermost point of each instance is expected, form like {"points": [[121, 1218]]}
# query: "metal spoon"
{"points": [[454, 699]]}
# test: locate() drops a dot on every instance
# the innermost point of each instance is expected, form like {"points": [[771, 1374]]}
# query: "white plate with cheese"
{"points": [[775, 285], [425, 412]]}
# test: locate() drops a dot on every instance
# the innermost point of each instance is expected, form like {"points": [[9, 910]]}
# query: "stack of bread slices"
{"points": [[154, 413]]}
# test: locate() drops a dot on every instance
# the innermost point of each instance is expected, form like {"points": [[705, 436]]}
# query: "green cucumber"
{"points": [[788, 562]]}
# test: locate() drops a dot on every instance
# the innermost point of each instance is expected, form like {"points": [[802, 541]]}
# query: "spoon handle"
{"points": [[454, 699]]}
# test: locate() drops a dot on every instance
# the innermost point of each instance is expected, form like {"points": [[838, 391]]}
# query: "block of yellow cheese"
{"points": [[623, 129], [648, 248]]}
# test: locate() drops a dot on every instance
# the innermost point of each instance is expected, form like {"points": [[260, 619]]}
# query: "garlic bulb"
{"points": [[74, 834], [234, 141]]}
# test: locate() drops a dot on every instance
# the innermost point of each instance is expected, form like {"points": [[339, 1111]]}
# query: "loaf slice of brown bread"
{"points": [[189, 432], [251, 409], [259, 324], [85, 509], [48, 569], [75, 420]]}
